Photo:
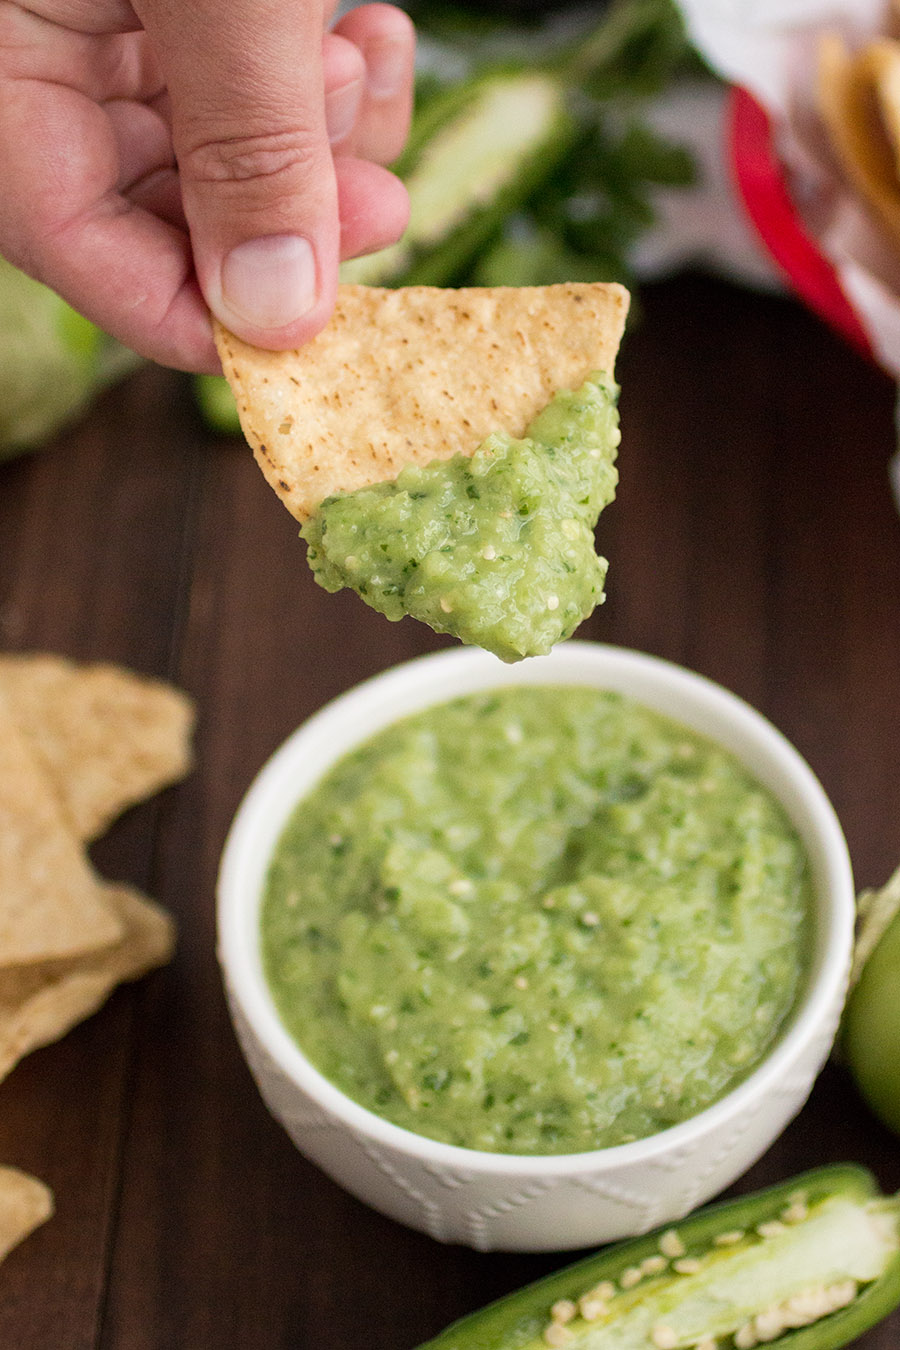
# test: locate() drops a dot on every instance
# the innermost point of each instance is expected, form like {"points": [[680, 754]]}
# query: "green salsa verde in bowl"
{"points": [[540, 919], [574, 918]]}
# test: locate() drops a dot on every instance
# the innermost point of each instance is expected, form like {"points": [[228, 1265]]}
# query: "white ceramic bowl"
{"points": [[512, 1202]]}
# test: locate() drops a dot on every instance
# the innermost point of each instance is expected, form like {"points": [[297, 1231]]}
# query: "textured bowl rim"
{"points": [[687, 697]]}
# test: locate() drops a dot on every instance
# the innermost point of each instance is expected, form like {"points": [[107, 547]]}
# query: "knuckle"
{"points": [[242, 159]]}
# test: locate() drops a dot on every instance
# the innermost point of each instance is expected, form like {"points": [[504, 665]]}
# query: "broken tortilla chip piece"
{"points": [[414, 374], [39, 1003], [854, 119], [25, 1203], [51, 903], [108, 738]]}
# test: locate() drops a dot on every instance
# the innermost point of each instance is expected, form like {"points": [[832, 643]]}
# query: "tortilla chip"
{"points": [[107, 738], [883, 61], [39, 1003], [851, 113], [51, 904], [410, 375], [25, 1203]]}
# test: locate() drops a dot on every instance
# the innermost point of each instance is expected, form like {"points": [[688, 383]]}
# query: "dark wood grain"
{"points": [[754, 539]]}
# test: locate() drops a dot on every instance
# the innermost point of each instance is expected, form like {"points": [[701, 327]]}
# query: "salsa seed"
{"points": [[770, 1229], [590, 919], [489, 553], [446, 605], [687, 1265], [795, 1212], [729, 1239], [557, 1334], [745, 1338], [553, 602], [631, 1276], [521, 982]]}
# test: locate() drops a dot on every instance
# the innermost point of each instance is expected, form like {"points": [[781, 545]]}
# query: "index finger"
{"points": [[63, 220]]}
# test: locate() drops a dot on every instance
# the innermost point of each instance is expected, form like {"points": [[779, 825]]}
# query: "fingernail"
{"points": [[386, 67], [342, 110], [270, 282]]}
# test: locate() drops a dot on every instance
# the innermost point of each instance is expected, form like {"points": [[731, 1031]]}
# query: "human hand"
{"points": [[160, 159]]}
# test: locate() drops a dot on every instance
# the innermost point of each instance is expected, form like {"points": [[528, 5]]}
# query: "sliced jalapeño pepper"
{"points": [[807, 1265], [474, 156]]}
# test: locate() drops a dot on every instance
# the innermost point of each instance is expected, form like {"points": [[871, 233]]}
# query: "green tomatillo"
{"points": [[871, 1032]]}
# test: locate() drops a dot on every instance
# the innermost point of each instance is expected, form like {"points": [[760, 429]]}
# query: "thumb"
{"points": [[246, 89]]}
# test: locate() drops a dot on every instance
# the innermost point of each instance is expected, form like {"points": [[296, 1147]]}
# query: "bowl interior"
{"points": [[687, 698]]}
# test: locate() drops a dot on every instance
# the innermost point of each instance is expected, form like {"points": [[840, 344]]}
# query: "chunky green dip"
{"points": [[536, 920], [496, 548]]}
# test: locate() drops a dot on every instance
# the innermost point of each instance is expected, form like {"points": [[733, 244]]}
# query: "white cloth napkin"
{"points": [[705, 225]]}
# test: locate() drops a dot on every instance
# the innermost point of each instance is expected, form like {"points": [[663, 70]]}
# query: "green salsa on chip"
{"points": [[536, 920], [497, 547]]}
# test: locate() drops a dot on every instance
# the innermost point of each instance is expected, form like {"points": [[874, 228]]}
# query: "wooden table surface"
{"points": [[754, 539]]}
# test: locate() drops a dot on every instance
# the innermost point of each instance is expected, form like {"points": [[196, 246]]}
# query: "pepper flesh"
{"points": [[840, 1236], [473, 158]]}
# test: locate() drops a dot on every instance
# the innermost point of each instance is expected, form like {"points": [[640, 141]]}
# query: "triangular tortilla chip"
{"points": [[25, 1203], [850, 110], [410, 375], [51, 904], [41, 1002], [107, 738]]}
